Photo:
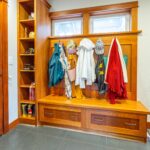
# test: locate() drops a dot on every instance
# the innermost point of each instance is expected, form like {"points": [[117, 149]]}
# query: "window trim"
{"points": [[130, 7]]}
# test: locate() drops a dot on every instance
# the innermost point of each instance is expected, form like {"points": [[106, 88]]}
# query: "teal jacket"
{"points": [[55, 69]]}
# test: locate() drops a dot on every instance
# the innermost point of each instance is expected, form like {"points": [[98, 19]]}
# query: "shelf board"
{"points": [[27, 101], [24, 1], [27, 70], [27, 118], [27, 39], [26, 55], [96, 35], [28, 22], [26, 86]]}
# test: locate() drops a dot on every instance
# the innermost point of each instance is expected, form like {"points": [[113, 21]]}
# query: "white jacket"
{"points": [[85, 69]]}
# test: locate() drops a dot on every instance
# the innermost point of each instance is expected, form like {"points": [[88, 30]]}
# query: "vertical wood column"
{"points": [[4, 62], [86, 20], [134, 15]]}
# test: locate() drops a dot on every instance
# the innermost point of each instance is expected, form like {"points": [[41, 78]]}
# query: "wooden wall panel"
{"points": [[128, 44], [42, 47]]}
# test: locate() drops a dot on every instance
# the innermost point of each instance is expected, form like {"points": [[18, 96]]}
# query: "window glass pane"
{"points": [[67, 27], [110, 23]]}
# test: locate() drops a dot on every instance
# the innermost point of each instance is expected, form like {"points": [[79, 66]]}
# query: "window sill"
{"points": [[100, 34]]}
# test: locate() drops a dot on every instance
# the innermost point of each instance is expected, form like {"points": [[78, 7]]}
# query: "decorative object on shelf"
{"points": [[30, 112], [31, 15], [85, 70], [24, 110], [64, 61], [55, 69], [31, 34], [32, 91], [28, 67], [116, 73], [25, 32], [100, 67], [29, 51]]}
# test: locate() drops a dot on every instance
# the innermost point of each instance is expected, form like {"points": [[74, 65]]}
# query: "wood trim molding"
{"points": [[111, 8], [97, 35], [148, 125], [13, 124], [46, 3], [4, 43]]}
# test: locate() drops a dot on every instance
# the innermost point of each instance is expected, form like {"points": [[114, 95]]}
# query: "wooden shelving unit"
{"points": [[38, 59]]}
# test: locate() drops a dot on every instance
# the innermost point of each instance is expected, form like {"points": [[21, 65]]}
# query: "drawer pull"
{"points": [[130, 124], [48, 114], [98, 120]]}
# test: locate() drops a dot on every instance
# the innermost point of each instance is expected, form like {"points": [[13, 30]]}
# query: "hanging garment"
{"points": [[64, 61], [100, 67], [100, 75], [56, 71], [85, 70], [116, 73]]}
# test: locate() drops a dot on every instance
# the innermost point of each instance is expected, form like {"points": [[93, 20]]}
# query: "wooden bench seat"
{"points": [[127, 119]]}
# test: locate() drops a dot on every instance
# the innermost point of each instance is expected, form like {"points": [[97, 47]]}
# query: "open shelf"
{"points": [[28, 22], [27, 118], [27, 101], [26, 55], [27, 70], [33, 53], [26, 86], [27, 39]]}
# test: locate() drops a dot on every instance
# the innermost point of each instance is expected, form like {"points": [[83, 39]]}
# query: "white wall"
{"points": [[144, 53], [58, 5], [12, 54], [143, 82]]}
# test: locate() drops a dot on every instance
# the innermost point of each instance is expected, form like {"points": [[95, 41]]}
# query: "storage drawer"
{"points": [[116, 122], [60, 115]]}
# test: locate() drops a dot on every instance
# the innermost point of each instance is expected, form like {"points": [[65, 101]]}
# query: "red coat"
{"points": [[114, 77]]}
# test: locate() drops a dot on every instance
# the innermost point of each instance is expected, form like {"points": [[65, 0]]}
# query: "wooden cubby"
{"points": [[39, 42]]}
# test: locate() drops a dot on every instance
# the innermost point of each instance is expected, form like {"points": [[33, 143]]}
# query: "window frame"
{"points": [[85, 13]]}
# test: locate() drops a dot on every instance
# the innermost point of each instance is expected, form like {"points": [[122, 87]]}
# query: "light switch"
{"points": [[10, 60]]}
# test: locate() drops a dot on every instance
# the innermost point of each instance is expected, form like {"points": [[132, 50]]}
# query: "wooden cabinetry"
{"points": [[127, 119], [117, 122], [33, 32], [60, 115], [3, 67]]}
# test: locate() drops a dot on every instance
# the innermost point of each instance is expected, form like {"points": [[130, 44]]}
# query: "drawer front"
{"points": [[60, 115], [116, 122], [126, 123]]}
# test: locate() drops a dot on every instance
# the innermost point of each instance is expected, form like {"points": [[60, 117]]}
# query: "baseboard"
{"points": [[13, 124], [148, 125]]}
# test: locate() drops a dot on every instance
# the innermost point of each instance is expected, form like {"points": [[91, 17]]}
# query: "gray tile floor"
{"points": [[47, 138]]}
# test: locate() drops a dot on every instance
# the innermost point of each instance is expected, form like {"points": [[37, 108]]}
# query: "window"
{"points": [[66, 27], [110, 23]]}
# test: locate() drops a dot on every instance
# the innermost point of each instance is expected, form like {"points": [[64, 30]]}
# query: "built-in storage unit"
{"points": [[92, 112], [127, 119], [33, 49]]}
